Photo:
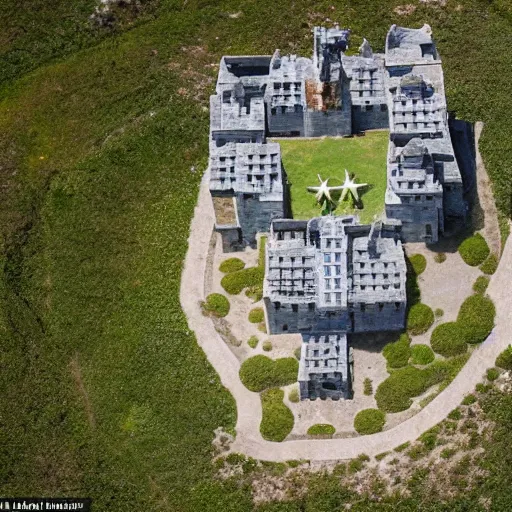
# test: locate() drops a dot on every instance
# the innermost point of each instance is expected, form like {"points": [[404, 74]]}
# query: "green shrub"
{"points": [[321, 429], [492, 374], [438, 313], [421, 354], [235, 282], [367, 387], [395, 393], [369, 421], [429, 438], [444, 372], [480, 285], [254, 292], [355, 465], [402, 447], [417, 452], [469, 399], [216, 304], [260, 372], [397, 353], [504, 360], [256, 315], [448, 339], [419, 263], [419, 319], [490, 265], [231, 265], [277, 420], [455, 414], [293, 395], [474, 250], [253, 341], [447, 453], [440, 257], [380, 456], [476, 317], [267, 346], [411, 285]]}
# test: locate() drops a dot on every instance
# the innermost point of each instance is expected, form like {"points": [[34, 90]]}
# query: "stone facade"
{"points": [[329, 277]]}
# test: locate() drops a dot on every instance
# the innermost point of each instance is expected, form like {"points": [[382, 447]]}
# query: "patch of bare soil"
{"points": [[76, 372]]}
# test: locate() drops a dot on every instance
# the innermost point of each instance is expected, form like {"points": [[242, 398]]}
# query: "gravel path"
{"points": [[249, 440]]}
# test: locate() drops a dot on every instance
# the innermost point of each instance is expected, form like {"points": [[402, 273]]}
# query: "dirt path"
{"points": [[249, 440], [489, 214]]}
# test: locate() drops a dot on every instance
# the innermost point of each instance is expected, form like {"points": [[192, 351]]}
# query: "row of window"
{"points": [[328, 257], [287, 86], [336, 282], [328, 270], [284, 110]]}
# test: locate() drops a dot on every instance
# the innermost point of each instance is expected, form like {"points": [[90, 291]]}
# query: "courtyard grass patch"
{"points": [[329, 157], [321, 429], [216, 304], [421, 354], [419, 319], [369, 421], [397, 353], [277, 420], [474, 250], [260, 372]]}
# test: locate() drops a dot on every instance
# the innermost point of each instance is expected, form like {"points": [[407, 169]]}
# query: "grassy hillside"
{"points": [[103, 137]]}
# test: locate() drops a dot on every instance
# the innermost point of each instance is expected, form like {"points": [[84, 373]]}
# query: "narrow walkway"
{"points": [[248, 439]]}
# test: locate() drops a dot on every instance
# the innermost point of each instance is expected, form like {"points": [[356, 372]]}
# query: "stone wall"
{"points": [[291, 123], [331, 122], [416, 218], [369, 117], [374, 317]]}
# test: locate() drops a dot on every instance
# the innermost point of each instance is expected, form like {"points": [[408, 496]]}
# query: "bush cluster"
{"points": [[216, 304], [321, 429], [256, 315], [253, 341], [419, 319], [411, 285], [504, 360], [440, 257], [267, 346], [369, 421], [480, 285], [231, 265], [474, 250], [492, 374], [448, 339], [476, 318], [397, 353], [235, 282], [421, 354], [293, 395], [419, 263], [490, 265], [277, 420], [260, 372]]}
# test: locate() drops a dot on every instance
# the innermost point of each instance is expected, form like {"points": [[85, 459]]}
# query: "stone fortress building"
{"points": [[329, 277]]}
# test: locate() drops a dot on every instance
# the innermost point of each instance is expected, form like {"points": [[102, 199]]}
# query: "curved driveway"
{"points": [[248, 439]]}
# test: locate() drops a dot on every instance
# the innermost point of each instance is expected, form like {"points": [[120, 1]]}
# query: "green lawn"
{"points": [[365, 157]]}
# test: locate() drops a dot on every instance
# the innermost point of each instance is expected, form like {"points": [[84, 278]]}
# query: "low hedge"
{"points": [[256, 315], [231, 265], [419, 319], [260, 372], [448, 339], [253, 341], [267, 346], [277, 420], [397, 353], [490, 265], [474, 250], [492, 374], [421, 354], [411, 285], [235, 282], [293, 395], [504, 360], [369, 421], [481, 284], [419, 263], [395, 393], [321, 429], [216, 304], [476, 317]]}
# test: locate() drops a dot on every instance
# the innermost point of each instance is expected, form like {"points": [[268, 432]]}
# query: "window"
{"points": [[381, 306], [311, 306], [369, 108], [383, 108], [338, 270], [277, 86], [327, 257], [295, 308], [327, 271], [338, 297], [273, 111], [337, 257], [337, 283], [363, 308], [430, 198], [397, 305], [327, 297], [327, 284], [277, 306], [417, 198]]}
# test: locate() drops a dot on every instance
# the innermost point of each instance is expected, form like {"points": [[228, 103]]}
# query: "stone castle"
{"points": [[329, 277]]}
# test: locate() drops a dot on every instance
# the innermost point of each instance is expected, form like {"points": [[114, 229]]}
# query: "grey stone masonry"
{"points": [[425, 190], [324, 367]]}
